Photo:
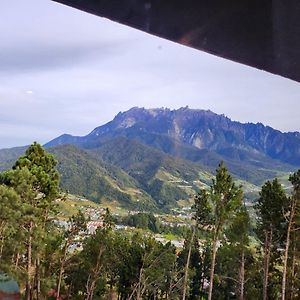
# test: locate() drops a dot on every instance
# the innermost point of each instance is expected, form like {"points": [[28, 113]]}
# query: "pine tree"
{"points": [[187, 263], [235, 255], [96, 251], [270, 210], [292, 215], [214, 211], [36, 181], [190, 264], [9, 214]]}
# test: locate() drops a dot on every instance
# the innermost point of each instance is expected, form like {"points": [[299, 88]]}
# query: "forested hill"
{"points": [[9, 156], [98, 181], [139, 177]]}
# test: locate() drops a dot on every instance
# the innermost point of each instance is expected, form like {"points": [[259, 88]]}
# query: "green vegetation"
{"points": [[24, 237], [144, 178], [96, 180], [147, 221], [143, 221], [56, 256], [215, 210], [167, 179]]}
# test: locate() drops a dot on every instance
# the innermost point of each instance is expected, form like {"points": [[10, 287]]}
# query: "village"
{"points": [[172, 226]]}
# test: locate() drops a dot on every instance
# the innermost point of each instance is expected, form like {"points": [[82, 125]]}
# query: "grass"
{"points": [[72, 205], [170, 236]]}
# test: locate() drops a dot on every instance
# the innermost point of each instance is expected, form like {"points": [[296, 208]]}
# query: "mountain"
{"points": [[9, 156], [159, 158], [252, 152]]}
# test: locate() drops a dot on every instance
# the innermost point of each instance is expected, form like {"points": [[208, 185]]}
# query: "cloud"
{"points": [[42, 57], [65, 71], [37, 35]]}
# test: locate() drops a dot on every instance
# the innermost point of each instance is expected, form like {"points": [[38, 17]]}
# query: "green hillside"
{"points": [[9, 156], [126, 173], [167, 179], [96, 180], [245, 165]]}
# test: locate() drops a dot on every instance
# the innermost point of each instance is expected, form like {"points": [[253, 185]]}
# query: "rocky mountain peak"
{"points": [[202, 129]]}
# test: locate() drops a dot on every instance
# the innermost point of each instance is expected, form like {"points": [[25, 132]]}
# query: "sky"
{"points": [[66, 71]]}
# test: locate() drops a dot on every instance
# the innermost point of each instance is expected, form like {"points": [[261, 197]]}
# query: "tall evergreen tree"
{"points": [[9, 216], [215, 209], [97, 250], [293, 218], [270, 211], [235, 261], [238, 235], [36, 181], [190, 261]]}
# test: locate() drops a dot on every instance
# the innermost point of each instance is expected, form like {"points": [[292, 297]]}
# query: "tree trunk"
{"points": [[286, 253], [111, 293], [61, 271], [186, 273], [17, 260], [242, 276], [69, 290], [293, 268], [212, 267], [2, 235], [138, 291], [1, 247], [90, 290], [267, 250], [38, 279], [93, 277], [28, 292]]}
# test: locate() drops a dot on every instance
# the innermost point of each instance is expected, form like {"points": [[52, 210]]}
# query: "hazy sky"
{"points": [[65, 71]]}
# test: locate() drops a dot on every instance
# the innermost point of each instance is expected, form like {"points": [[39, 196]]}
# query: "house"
{"points": [[9, 288], [93, 225]]}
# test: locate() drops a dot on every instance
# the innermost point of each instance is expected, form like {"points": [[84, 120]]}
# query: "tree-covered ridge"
{"points": [[166, 178], [9, 156], [224, 255], [129, 173], [97, 180]]}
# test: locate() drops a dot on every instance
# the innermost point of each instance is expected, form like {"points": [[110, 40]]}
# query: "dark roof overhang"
{"points": [[264, 34]]}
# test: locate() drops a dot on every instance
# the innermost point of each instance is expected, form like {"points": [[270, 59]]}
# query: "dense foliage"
{"points": [[223, 256], [96, 180], [148, 221]]}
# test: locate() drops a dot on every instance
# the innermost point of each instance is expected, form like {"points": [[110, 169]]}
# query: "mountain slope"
{"points": [[126, 173], [96, 180], [207, 130], [166, 178], [200, 128], [9, 156], [252, 152]]}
